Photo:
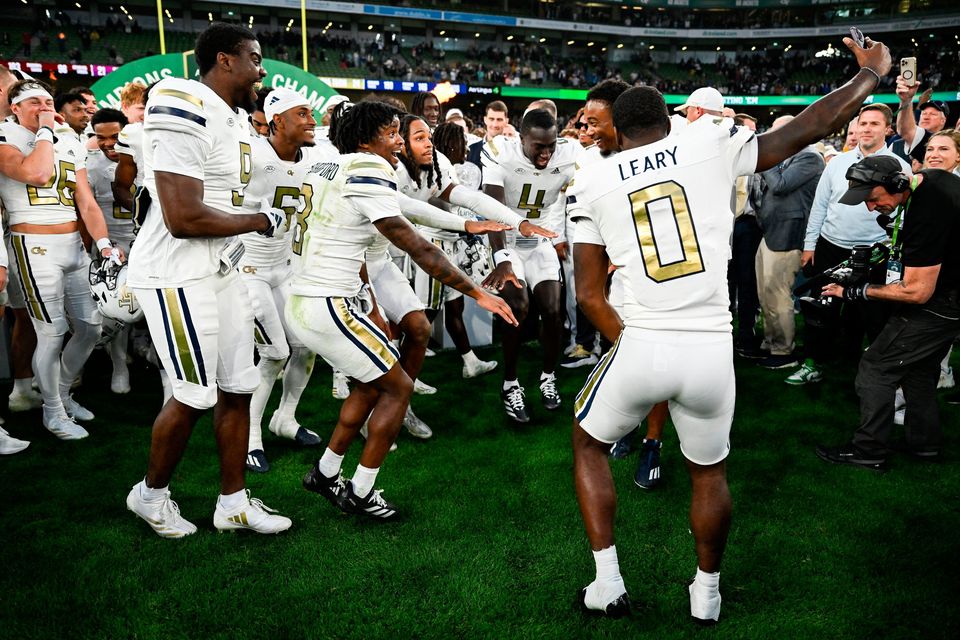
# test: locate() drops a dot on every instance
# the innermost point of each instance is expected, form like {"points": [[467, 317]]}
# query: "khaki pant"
{"points": [[776, 271]]}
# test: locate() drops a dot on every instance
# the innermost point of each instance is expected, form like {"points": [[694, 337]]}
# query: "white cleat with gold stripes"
{"points": [[253, 515], [163, 515]]}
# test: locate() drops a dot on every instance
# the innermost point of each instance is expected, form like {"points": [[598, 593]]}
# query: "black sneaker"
{"points": [[622, 447], [619, 608], [753, 352], [953, 398], [927, 455], [514, 405], [648, 470], [257, 461], [549, 394], [329, 488], [850, 454], [774, 361], [307, 438], [372, 505]]}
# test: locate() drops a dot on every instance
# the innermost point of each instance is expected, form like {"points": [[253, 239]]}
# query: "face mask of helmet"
{"points": [[108, 286]]}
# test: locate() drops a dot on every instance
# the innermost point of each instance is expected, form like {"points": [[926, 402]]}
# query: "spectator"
{"points": [[742, 270], [788, 188], [833, 228], [933, 118], [495, 118]]}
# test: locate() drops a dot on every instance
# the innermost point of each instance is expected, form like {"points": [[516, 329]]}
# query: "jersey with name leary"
{"points": [[663, 213], [189, 130]]}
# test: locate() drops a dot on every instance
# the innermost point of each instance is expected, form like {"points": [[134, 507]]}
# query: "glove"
{"points": [[277, 219], [856, 292]]}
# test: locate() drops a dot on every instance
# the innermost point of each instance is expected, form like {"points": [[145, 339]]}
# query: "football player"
{"points": [[530, 176], [43, 185], [660, 211], [197, 160], [101, 167], [280, 162], [332, 311]]}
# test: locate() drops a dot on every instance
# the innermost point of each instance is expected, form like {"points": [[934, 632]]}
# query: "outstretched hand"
{"points": [[873, 55], [528, 229], [497, 306], [500, 276], [477, 227]]}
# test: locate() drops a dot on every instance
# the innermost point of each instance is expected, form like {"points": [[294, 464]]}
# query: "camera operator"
{"points": [[923, 277]]}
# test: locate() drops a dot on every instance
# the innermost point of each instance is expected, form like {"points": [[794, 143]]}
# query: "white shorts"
{"points": [[694, 371], [269, 289], [392, 290], [537, 264], [431, 292], [14, 291], [341, 332], [203, 334], [53, 277]]}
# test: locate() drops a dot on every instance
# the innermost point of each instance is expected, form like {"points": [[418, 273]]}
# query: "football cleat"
{"points": [[366, 434], [622, 447], [417, 427], [18, 402], [579, 356], [589, 602], [307, 438], [120, 381], [329, 488], [648, 469], [341, 388], [253, 515], [514, 405], [373, 505], [76, 411], [478, 368], [946, 379], [163, 516], [63, 427], [423, 389], [257, 461], [549, 395], [704, 604], [10, 445]]}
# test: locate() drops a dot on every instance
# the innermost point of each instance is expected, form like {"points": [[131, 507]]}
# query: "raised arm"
{"points": [[829, 113]]}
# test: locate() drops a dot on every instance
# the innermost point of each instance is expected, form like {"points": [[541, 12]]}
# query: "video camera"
{"points": [[864, 259]]}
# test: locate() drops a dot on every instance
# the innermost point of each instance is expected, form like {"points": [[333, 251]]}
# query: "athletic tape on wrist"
{"points": [[504, 255], [104, 243]]}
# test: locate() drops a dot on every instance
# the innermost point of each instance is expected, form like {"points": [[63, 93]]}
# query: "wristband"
{"points": [[104, 243], [45, 133], [871, 71], [504, 255], [856, 293]]}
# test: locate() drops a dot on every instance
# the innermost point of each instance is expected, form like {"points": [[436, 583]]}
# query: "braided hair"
{"points": [[406, 156], [449, 139], [419, 101], [351, 126]]}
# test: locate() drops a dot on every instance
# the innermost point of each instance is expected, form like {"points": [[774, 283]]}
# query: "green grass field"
{"points": [[492, 545]]}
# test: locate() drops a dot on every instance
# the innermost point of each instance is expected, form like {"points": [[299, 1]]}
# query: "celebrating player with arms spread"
{"points": [[43, 185], [659, 211], [530, 177], [331, 310], [183, 270]]}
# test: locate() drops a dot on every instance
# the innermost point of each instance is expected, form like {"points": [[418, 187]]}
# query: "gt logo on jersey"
{"points": [[38, 251], [535, 208]]}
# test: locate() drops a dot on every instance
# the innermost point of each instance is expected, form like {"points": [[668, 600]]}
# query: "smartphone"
{"points": [[908, 70], [857, 36]]}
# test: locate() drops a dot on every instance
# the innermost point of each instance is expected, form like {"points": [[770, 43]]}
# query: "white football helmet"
{"points": [[108, 284]]}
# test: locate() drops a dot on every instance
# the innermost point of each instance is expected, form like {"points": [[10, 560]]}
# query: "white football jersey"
{"points": [[348, 196], [130, 143], [663, 213], [426, 190], [278, 182], [53, 202], [100, 175], [536, 194], [214, 147]]}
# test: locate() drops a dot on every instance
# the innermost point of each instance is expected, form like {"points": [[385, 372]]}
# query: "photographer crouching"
{"points": [[923, 277]]}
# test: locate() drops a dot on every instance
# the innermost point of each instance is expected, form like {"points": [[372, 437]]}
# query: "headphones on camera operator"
{"points": [[893, 183]]}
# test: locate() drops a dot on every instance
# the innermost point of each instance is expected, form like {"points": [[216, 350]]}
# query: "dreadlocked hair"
{"points": [[449, 139], [419, 100], [351, 126], [406, 156]]}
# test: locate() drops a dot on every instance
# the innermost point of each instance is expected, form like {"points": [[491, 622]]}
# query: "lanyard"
{"points": [[901, 210]]}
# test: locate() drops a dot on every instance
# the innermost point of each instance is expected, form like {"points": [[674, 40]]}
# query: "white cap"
{"points": [[453, 113], [334, 101], [280, 100], [706, 98]]}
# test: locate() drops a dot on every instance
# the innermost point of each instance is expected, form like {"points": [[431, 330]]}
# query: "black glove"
{"points": [[856, 292]]}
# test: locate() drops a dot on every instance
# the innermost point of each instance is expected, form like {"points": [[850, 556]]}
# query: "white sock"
{"points": [[470, 357], [167, 387], [295, 379], [608, 567], [46, 366], [23, 386], [708, 580], [233, 501], [151, 494], [363, 480], [330, 463], [75, 353], [547, 376], [118, 349], [510, 383], [268, 368]]}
